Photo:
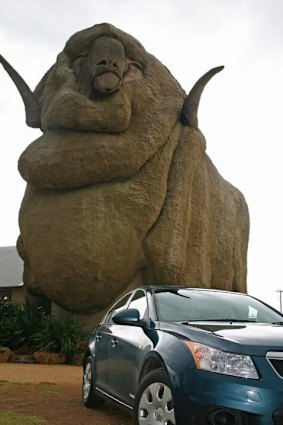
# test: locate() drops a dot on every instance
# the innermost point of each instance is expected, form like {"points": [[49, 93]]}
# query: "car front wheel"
{"points": [[154, 401], [90, 399]]}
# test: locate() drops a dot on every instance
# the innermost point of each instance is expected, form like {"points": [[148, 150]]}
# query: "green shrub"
{"points": [[10, 333], [30, 320], [60, 334], [29, 329], [18, 324]]}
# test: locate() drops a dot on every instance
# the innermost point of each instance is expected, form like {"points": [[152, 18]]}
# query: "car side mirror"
{"points": [[131, 317]]}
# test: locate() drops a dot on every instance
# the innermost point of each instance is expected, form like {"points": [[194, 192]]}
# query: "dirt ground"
{"points": [[52, 392]]}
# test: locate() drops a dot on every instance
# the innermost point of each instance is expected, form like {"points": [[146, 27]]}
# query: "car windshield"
{"points": [[185, 305]]}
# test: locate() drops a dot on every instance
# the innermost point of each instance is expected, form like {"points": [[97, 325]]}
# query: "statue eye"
{"points": [[77, 64], [77, 59], [102, 62], [138, 65], [135, 71]]}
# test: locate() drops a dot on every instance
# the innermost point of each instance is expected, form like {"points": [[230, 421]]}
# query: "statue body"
{"points": [[119, 184]]}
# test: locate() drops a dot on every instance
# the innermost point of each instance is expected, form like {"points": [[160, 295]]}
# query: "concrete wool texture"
{"points": [[118, 187]]}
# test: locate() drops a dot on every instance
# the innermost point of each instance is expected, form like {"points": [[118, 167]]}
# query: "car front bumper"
{"points": [[199, 396]]}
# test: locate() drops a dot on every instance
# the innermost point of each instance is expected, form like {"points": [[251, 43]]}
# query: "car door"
{"points": [[103, 345], [126, 344]]}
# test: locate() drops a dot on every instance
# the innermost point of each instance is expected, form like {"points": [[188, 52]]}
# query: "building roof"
{"points": [[11, 268]]}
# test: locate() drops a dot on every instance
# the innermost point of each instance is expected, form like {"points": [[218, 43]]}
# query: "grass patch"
{"points": [[41, 388], [47, 387], [13, 418]]}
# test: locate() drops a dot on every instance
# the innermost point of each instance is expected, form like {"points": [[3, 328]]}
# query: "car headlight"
{"points": [[218, 361]]}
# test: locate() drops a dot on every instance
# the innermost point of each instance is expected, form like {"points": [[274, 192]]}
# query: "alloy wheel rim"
{"points": [[87, 381], [156, 405]]}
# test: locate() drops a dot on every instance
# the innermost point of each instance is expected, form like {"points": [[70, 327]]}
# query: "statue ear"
{"points": [[134, 72], [38, 91]]}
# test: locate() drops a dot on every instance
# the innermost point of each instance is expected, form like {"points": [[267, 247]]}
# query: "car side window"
{"points": [[120, 305], [139, 302]]}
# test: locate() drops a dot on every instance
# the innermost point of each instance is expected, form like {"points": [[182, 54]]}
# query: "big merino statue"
{"points": [[119, 188]]}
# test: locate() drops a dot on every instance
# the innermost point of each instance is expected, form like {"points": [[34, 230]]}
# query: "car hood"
{"points": [[248, 338]]}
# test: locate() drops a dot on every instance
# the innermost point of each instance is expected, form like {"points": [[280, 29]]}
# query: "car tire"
{"points": [[90, 399], [154, 402]]}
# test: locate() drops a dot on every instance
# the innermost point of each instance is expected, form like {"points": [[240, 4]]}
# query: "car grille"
{"points": [[276, 360]]}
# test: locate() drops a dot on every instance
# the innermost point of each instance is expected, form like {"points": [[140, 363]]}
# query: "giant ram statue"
{"points": [[119, 188]]}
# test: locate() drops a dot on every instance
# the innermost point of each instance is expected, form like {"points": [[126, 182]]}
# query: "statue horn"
{"points": [[189, 114], [31, 103]]}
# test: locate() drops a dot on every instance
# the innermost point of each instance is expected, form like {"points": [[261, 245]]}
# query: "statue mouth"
{"points": [[106, 83]]}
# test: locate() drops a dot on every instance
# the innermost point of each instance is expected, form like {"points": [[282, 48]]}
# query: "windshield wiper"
{"points": [[277, 323]]}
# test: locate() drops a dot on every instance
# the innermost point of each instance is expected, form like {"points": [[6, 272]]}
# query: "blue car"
{"points": [[186, 356]]}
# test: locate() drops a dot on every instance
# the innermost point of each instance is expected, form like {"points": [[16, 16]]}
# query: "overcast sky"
{"points": [[240, 110]]}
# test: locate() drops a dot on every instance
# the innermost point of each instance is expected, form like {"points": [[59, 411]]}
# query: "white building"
{"points": [[11, 275]]}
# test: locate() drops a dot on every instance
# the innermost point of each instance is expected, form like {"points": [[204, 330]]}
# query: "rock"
{"points": [[49, 358], [5, 354], [21, 358]]}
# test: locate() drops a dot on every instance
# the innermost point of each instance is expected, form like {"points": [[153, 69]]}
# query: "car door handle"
{"points": [[98, 337], [114, 342]]}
